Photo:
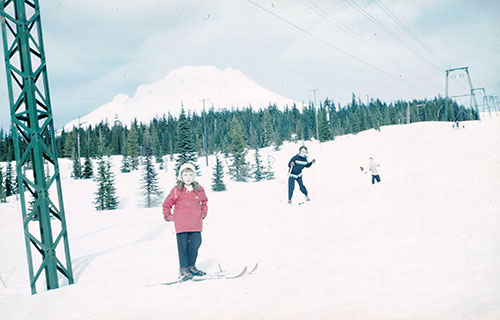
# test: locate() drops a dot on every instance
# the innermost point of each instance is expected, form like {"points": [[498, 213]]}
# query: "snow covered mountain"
{"points": [[188, 86], [422, 244]]}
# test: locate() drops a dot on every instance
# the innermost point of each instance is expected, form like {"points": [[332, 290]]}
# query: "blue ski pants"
{"points": [[291, 186], [188, 244]]}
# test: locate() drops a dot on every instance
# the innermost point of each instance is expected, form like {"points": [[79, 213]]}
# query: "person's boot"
{"points": [[307, 198], [185, 274], [196, 272], [289, 201]]}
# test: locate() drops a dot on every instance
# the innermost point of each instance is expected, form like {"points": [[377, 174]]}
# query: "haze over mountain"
{"points": [[186, 86]]}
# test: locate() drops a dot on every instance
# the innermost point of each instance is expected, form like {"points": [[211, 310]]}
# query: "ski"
{"points": [[203, 278], [254, 268], [215, 276], [166, 283], [301, 203], [219, 274], [294, 204]]}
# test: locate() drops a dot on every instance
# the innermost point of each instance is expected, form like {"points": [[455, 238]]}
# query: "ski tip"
{"points": [[164, 283], [239, 274], [254, 268]]}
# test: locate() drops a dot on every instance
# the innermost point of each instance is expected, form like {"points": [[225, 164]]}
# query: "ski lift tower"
{"points": [[44, 222], [485, 102], [493, 102], [471, 93]]}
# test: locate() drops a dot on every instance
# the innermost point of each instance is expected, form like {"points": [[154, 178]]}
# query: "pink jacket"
{"points": [[190, 208]]}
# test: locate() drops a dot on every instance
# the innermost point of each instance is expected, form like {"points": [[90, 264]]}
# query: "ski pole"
{"points": [[288, 178]]}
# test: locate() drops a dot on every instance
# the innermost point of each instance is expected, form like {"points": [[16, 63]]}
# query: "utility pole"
{"points": [[316, 113], [408, 114], [33, 126], [78, 139], [205, 131]]}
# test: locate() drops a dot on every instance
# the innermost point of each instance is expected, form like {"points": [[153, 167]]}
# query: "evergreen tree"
{"points": [[258, 173], [156, 146], [239, 168], [218, 179], [324, 127], [299, 130], [111, 199], [69, 146], [9, 182], [267, 137], [100, 200], [77, 167], [277, 140], [106, 193], [254, 138], [133, 147], [126, 164], [151, 190], [184, 143], [88, 171], [161, 162], [3, 195], [102, 147]]}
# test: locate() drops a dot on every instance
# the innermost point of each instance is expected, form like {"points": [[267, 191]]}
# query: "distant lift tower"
{"points": [[34, 144], [494, 102], [471, 94], [485, 102], [490, 102]]}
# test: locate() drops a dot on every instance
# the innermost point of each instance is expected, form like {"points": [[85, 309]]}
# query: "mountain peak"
{"points": [[186, 86]]}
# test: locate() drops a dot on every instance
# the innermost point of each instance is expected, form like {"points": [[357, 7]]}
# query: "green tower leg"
{"points": [[34, 144]]}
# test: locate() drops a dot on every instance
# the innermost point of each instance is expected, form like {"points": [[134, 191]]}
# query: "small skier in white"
{"points": [[373, 168]]}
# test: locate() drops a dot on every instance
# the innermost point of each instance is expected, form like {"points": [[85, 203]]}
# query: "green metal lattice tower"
{"points": [[44, 221]]}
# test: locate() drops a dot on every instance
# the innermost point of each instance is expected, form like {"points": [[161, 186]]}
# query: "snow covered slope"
{"points": [[187, 85], [423, 244]]}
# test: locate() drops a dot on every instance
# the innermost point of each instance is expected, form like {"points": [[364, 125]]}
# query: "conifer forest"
{"points": [[255, 128]]}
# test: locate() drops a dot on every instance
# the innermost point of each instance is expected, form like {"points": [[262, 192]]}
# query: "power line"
{"points": [[340, 25], [408, 31], [336, 48], [390, 33], [365, 42]]}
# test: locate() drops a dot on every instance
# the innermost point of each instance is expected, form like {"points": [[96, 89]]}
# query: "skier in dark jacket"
{"points": [[295, 165]]}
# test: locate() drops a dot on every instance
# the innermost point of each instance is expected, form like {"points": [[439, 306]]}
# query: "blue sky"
{"points": [[98, 49]]}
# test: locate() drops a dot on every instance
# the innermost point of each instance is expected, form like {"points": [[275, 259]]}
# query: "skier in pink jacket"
{"points": [[189, 203]]}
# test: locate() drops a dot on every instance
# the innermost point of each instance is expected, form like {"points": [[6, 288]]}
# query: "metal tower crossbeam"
{"points": [[34, 144]]}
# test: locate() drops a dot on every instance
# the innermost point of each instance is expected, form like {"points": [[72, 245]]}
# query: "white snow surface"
{"points": [[422, 244], [186, 86]]}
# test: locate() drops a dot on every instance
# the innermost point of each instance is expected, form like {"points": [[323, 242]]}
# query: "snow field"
{"points": [[422, 244]]}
